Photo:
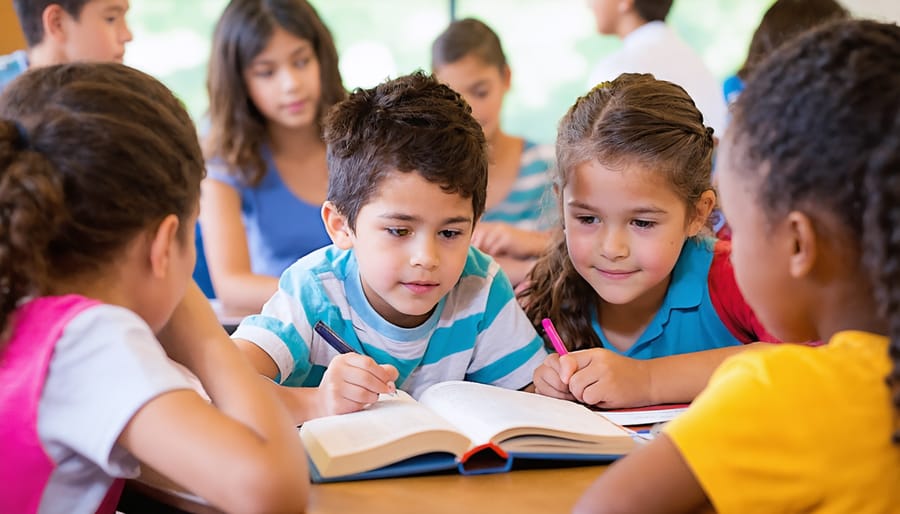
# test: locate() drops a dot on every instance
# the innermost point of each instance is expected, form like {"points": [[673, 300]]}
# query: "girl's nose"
{"points": [[614, 245]]}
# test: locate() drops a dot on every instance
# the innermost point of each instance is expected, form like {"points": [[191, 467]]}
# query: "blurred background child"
{"points": [[58, 31], [273, 74], [99, 190], [810, 181], [782, 21], [469, 58], [649, 45]]}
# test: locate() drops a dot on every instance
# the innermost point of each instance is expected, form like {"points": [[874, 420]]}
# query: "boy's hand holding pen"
{"points": [[352, 380]]}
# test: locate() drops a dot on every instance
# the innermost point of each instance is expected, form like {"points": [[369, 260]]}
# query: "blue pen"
{"points": [[335, 341]]}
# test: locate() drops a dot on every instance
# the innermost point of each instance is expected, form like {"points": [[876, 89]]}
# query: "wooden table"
{"points": [[519, 492]]}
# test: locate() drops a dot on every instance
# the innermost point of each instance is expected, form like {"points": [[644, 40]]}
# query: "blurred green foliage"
{"points": [[551, 44]]}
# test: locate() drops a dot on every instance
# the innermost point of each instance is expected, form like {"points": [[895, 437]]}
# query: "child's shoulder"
{"points": [[328, 262], [480, 265]]}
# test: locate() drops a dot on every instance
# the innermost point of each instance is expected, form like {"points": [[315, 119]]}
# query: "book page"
{"points": [[488, 413], [388, 431], [646, 416]]}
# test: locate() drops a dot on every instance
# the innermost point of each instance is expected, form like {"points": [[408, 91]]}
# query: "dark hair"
{"points": [[31, 12], [409, 124], [90, 156], [635, 120], [237, 128], [784, 20], [817, 129], [653, 10], [467, 37]]}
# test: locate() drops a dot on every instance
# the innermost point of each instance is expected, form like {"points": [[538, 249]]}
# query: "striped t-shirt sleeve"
{"points": [[507, 348]]}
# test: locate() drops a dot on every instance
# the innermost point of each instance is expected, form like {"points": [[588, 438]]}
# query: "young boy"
{"points": [[401, 283], [61, 31], [650, 46]]}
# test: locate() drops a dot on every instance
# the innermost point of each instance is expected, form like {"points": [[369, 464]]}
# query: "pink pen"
{"points": [[554, 336]]}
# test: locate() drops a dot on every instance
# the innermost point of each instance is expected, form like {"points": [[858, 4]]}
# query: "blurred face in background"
{"points": [[482, 85]]}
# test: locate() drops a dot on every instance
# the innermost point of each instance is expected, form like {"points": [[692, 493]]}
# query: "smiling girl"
{"points": [[634, 285]]}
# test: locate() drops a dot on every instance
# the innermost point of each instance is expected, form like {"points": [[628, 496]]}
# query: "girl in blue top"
{"points": [[631, 282], [468, 57], [273, 74]]}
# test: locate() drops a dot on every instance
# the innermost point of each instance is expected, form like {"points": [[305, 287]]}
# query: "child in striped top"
{"points": [[401, 283], [469, 58]]}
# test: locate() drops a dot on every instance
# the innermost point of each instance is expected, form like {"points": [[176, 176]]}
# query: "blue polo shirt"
{"points": [[687, 321]]}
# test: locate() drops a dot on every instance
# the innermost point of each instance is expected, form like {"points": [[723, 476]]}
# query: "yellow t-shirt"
{"points": [[797, 429]]}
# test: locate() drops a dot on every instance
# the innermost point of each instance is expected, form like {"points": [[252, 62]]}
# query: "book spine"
{"points": [[485, 459]]}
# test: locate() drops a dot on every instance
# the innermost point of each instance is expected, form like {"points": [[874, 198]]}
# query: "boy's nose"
{"points": [[425, 255]]}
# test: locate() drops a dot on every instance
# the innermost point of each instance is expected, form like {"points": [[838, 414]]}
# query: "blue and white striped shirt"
{"points": [[11, 66], [529, 204], [477, 332]]}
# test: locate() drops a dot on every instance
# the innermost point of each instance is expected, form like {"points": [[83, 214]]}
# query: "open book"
{"points": [[472, 427]]}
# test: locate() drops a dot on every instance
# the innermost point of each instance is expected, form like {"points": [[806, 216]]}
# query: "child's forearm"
{"points": [[303, 403], [243, 293], [680, 378], [194, 337], [531, 243]]}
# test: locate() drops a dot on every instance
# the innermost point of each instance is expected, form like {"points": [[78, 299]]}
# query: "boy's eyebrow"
{"points": [[408, 217]]}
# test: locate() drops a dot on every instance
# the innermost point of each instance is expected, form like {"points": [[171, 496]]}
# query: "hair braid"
{"points": [[881, 239]]}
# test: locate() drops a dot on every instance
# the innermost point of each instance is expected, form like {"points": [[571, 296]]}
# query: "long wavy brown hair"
{"points": [[237, 128], [634, 119]]}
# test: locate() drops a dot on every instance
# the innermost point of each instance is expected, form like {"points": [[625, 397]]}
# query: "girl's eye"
{"points": [[398, 232], [587, 220], [450, 234], [302, 63], [263, 73], [644, 223]]}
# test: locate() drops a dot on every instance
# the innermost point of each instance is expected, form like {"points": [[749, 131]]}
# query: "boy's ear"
{"points": [[163, 242], [805, 240], [625, 6], [53, 19], [337, 226], [702, 209]]}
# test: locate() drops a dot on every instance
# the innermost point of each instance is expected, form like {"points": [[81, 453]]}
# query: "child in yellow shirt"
{"points": [[809, 183]]}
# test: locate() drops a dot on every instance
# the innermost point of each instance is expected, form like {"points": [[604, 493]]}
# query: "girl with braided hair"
{"points": [[810, 182], [100, 174]]}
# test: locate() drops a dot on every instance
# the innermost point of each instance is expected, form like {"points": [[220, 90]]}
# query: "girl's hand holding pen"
{"points": [[547, 379], [353, 381], [606, 379]]}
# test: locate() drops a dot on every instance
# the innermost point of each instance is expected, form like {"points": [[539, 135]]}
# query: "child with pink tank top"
{"points": [[100, 174]]}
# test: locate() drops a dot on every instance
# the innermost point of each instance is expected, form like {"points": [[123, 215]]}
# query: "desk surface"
{"points": [[521, 492]]}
